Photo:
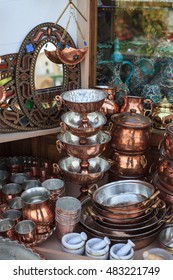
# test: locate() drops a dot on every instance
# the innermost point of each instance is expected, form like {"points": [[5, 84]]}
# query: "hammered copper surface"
{"points": [[131, 132], [165, 170], [137, 103]]}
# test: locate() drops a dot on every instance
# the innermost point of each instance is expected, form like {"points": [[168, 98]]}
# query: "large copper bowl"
{"points": [[83, 101], [124, 195], [92, 146], [165, 170], [70, 167], [72, 121]]}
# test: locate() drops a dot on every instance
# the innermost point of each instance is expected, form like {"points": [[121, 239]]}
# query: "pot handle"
{"points": [[92, 189], [109, 127], [153, 196], [168, 217], [90, 211], [57, 170], [63, 127], [149, 111], [59, 146], [154, 206], [58, 100]]}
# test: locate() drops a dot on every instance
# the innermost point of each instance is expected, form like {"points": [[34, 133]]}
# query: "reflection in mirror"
{"points": [[47, 73]]}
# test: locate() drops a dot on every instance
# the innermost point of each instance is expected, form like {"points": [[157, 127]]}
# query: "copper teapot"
{"points": [[162, 113]]}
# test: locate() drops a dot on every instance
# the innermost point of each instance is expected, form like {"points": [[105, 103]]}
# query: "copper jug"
{"points": [[109, 106], [138, 103], [162, 113]]}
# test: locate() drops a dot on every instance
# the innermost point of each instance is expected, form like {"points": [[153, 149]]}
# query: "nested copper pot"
{"points": [[168, 140], [131, 132], [129, 165], [165, 170], [38, 208]]}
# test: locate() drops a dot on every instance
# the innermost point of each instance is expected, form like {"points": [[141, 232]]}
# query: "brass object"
{"points": [[137, 103], [71, 169], [92, 146], [129, 165], [109, 106], [38, 208], [72, 121], [162, 113], [131, 132]]}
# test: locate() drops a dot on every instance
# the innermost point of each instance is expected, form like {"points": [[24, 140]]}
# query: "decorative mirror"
{"points": [[30, 106]]}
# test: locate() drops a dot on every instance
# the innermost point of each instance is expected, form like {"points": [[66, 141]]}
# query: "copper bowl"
{"points": [[70, 168], [84, 101], [165, 237], [168, 140], [93, 146], [129, 165], [72, 121], [124, 195]]}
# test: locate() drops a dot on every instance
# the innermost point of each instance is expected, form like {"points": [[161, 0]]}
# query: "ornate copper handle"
{"points": [[151, 107], [56, 168], [91, 212], [110, 127], [58, 100], [154, 206], [63, 127], [59, 146], [92, 189]]}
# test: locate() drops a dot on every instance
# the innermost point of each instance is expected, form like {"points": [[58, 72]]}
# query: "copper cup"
{"points": [[16, 203], [26, 231], [12, 214], [7, 228], [56, 188], [19, 178], [11, 190]]}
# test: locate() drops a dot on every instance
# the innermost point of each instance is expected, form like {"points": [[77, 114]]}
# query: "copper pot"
{"points": [[131, 132], [165, 194], [38, 208], [124, 196], [137, 103], [129, 165], [168, 140], [165, 170]]}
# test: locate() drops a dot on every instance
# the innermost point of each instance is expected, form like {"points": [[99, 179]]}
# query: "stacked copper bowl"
{"points": [[82, 137], [130, 142], [163, 177], [122, 210]]}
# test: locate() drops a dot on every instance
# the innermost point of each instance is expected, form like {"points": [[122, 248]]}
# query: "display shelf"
{"points": [[8, 137]]}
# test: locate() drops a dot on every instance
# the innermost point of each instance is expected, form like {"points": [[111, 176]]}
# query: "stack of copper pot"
{"points": [[82, 136], [163, 177], [130, 142]]}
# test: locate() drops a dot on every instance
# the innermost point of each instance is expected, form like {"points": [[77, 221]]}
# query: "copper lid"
{"points": [[131, 119]]}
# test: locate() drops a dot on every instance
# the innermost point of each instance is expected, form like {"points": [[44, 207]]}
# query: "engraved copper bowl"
{"points": [[70, 168], [92, 146], [165, 170], [72, 121], [83, 101]]}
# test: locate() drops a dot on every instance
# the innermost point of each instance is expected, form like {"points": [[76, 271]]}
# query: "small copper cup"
{"points": [[19, 178], [26, 231], [11, 190], [7, 228], [56, 188], [16, 203], [12, 214]]}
